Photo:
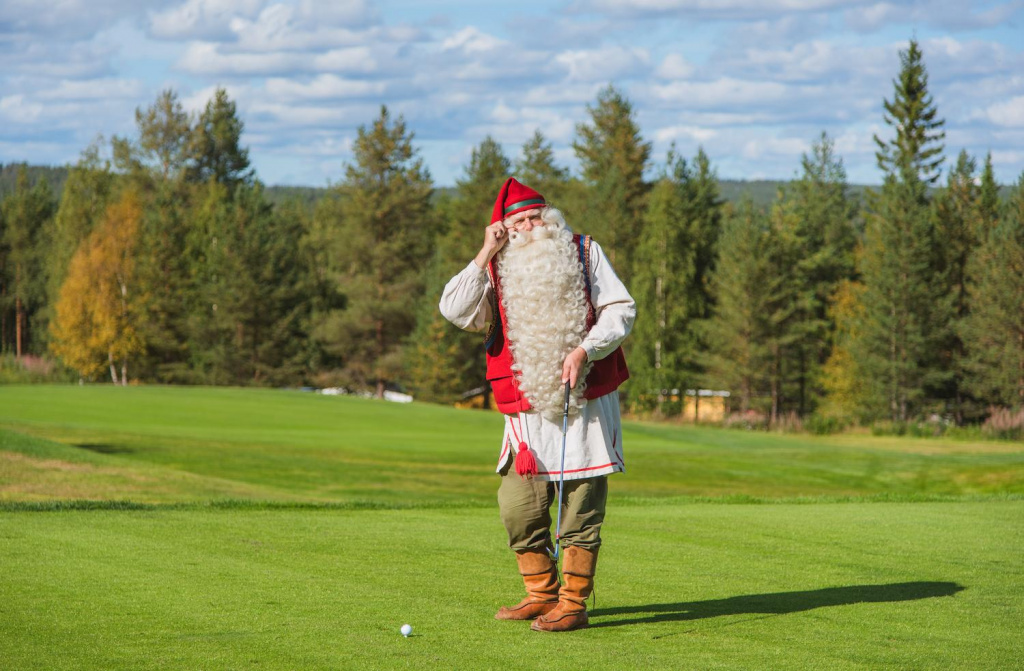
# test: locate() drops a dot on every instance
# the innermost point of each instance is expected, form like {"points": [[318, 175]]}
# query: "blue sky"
{"points": [[754, 82]]}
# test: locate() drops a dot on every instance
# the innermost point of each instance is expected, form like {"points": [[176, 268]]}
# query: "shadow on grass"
{"points": [[775, 604], [105, 449]]}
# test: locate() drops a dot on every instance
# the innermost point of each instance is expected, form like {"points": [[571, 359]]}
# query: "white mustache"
{"points": [[522, 238]]}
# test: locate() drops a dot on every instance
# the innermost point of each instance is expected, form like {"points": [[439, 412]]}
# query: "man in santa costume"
{"points": [[554, 312]]}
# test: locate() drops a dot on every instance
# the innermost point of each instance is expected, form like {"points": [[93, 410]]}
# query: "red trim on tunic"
{"points": [[577, 470]]}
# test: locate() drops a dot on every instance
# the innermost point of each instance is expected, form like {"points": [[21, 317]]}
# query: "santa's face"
{"points": [[525, 227]]}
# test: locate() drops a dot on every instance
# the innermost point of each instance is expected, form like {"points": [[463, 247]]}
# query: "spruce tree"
{"points": [[738, 355], [381, 232], [670, 283], [252, 295], [827, 238], [445, 361], [897, 342], [26, 215], [537, 169], [663, 276], [988, 200], [613, 157], [993, 331], [959, 220], [214, 149]]}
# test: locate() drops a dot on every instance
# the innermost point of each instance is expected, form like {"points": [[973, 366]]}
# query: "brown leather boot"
{"points": [[578, 574], [541, 580]]}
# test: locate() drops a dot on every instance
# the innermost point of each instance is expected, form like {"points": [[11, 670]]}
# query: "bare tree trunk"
{"points": [[380, 355], [113, 369], [19, 325]]}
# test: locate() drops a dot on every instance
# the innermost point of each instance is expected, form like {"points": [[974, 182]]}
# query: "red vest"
{"points": [[605, 376]]}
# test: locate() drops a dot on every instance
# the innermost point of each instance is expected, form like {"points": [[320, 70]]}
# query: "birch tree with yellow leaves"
{"points": [[96, 320]]}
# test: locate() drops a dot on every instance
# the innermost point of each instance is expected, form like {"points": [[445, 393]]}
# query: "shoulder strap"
{"points": [[584, 251]]}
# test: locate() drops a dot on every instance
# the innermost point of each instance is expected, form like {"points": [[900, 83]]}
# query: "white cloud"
{"points": [[954, 15], [206, 58], [674, 66], [695, 133], [352, 59], [737, 8], [518, 123], [1007, 113], [16, 109], [603, 64], [95, 89], [471, 40], [324, 87], [65, 20], [201, 19], [721, 93], [770, 146]]}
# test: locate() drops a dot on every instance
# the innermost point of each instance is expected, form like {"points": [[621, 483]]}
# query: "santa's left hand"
{"points": [[572, 366]]}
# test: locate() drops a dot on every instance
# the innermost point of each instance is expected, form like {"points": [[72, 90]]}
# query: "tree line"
{"points": [[167, 262]]}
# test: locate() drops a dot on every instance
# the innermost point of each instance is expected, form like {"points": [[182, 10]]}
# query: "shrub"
{"points": [[1004, 423], [823, 425]]}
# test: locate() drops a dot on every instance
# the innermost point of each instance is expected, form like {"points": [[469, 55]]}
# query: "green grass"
{"points": [[170, 445], [846, 586], [171, 528]]}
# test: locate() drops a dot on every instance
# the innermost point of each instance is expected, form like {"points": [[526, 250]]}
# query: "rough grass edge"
{"points": [[361, 505]]}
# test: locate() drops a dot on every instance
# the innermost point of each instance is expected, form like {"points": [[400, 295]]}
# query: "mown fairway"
{"points": [[257, 529]]}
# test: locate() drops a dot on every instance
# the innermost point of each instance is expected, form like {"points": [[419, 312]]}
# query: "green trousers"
{"points": [[525, 505]]}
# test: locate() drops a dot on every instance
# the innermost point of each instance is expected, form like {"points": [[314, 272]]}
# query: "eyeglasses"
{"points": [[533, 219]]}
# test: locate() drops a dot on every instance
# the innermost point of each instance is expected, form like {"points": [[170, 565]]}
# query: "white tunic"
{"points": [[594, 436]]}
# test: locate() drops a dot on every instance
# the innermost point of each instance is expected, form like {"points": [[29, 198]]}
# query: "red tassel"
{"points": [[525, 463]]}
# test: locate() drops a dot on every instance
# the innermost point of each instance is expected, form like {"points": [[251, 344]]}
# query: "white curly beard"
{"points": [[545, 305]]}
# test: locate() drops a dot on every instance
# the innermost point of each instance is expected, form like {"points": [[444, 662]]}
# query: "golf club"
{"points": [[561, 471]]}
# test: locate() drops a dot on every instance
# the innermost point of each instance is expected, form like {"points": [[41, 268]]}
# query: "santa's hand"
{"points": [[495, 237], [572, 366]]}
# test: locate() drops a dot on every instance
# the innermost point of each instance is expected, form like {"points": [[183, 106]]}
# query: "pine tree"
{"points": [[168, 275], [251, 296], [381, 232], [737, 355], [704, 210], [536, 168], [26, 215], [214, 150], [960, 221], [664, 354], [827, 238], [613, 157], [993, 331], [988, 200], [446, 360], [897, 343], [164, 134], [915, 154]]}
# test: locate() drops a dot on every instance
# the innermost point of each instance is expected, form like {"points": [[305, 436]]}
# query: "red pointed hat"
{"points": [[515, 197]]}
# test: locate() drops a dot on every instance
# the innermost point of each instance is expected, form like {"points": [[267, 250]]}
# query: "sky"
{"points": [[753, 82]]}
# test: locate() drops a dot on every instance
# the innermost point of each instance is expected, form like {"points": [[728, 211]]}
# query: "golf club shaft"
{"points": [[561, 471]]}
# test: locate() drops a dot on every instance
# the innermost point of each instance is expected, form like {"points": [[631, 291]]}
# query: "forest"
{"points": [[165, 260]]}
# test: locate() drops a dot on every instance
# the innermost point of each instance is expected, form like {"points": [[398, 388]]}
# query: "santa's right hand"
{"points": [[495, 237]]}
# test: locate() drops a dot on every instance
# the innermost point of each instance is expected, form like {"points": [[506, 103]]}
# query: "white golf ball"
{"points": [[406, 630]]}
